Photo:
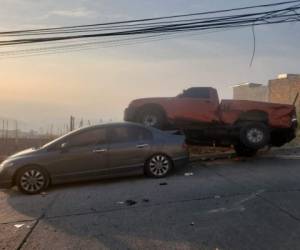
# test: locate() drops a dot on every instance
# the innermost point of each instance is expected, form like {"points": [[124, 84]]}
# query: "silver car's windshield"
{"points": [[59, 139]]}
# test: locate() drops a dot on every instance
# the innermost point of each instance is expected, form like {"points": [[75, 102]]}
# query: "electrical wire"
{"points": [[142, 30]]}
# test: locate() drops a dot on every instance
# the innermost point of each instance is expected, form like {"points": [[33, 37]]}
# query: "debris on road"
{"points": [[217, 196], [130, 202], [163, 183], [146, 200], [189, 174], [192, 224], [19, 225]]}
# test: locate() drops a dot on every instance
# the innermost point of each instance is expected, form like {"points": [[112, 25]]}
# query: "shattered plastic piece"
{"points": [[120, 202], [192, 224], [163, 184], [189, 174], [130, 202], [44, 193], [217, 196], [19, 225]]}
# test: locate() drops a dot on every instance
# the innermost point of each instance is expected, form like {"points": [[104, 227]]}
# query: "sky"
{"points": [[99, 83]]}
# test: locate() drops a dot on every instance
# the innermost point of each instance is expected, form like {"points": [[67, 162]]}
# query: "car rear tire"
{"points": [[244, 151], [152, 117], [158, 166], [32, 180], [254, 135]]}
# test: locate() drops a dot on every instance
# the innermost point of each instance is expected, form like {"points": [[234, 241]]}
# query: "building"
{"points": [[250, 91], [283, 89]]}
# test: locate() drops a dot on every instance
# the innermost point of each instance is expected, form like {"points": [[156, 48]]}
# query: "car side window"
{"points": [[88, 138], [202, 93], [129, 134], [144, 134]]}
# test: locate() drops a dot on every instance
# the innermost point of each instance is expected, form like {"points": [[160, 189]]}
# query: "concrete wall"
{"points": [[251, 91]]}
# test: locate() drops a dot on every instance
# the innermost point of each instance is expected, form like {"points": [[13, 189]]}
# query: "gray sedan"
{"points": [[92, 153]]}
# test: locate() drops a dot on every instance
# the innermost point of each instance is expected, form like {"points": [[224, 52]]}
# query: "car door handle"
{"points": [[100, 150], [142, 145]]}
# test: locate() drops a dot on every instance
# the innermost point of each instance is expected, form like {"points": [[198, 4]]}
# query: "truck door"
{"points": [[196, 104]]}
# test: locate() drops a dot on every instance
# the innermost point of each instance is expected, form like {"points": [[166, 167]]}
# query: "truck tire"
{"points": [[152, 117], [254, 135], [243, 151]]}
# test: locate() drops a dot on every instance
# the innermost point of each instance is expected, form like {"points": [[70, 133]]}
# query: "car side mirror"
{"points": [[64, 147]]}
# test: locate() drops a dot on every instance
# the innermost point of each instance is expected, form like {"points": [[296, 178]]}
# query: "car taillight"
{"points": [[294, 116]]}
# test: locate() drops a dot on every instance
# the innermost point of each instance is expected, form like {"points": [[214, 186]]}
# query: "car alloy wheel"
{"points": [[32, 180], [159, 165]]}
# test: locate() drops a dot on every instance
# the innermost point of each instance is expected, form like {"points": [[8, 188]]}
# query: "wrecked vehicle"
{"points": [[247, 125], [95, 152]]}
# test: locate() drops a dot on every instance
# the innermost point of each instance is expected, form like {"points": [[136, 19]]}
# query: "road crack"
{"points": [[258, 194], [25, 239]]}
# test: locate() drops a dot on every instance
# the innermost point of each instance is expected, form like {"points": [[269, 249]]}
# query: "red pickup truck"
{"points": [[247, 125]]}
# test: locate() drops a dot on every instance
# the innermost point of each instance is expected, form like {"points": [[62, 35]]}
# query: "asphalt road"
{"points": [[225, 204]]}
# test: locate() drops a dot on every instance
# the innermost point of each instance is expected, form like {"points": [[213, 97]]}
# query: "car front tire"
{"points": [[32, 180]]}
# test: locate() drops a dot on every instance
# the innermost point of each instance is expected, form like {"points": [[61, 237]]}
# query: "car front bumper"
{"points": [[5, 183], [6, 177]]}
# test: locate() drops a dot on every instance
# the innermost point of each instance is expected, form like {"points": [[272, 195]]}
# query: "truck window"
{"points": [[202, 93]]}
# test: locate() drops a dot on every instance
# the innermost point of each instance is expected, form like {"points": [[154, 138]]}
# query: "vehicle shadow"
{"points": [[91, 204]]}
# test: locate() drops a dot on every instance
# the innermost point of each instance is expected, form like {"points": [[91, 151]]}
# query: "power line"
{"points": [[141, 30], [157, 18]]}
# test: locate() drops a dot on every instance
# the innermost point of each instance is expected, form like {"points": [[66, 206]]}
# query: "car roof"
{"points": [[111, 124]]}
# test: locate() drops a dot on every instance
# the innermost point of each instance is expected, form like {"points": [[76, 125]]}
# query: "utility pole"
{"points": [[3, 128], [51, 130], [16, 134], [72, 123], [6, 133], [81, 123]]}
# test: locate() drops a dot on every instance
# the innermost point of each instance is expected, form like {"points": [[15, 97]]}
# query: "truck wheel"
{"points": [[243, 151], [254, 135], [152, 118]]}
